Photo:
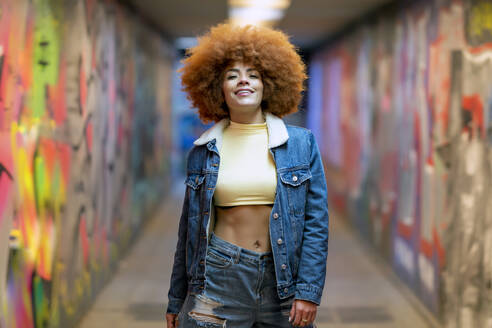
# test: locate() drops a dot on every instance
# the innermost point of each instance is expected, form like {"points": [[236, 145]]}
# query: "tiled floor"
{"points": [[359, 290]]}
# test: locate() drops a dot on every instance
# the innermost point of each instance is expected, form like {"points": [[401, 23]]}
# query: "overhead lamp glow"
{"points": [[257, 12], [254, 14], [276, 4]]}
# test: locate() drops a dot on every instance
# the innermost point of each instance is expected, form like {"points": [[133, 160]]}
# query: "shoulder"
{"points": [[196, 150], [195, 158], [297, 130], [299, 134]]}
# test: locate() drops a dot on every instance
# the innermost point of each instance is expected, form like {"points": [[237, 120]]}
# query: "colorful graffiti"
{"points": [[407, 144], [80, 167]]}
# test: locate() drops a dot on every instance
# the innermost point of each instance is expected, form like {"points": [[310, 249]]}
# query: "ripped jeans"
{"points": [[240, 291]]}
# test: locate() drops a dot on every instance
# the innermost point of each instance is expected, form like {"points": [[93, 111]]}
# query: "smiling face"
{"points": [[242, 88]]}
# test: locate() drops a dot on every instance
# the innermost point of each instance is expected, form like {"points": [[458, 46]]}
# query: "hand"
{"points": [[302, 313], [172, 320]]}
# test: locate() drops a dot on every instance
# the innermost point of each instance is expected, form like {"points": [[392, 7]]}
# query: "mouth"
{"points": [[244, 92]]}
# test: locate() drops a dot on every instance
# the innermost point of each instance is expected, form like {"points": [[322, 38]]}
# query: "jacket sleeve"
{"points": [[179, 282], [312, 263]]}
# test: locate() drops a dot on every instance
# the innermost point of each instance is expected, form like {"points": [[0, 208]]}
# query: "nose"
{"points": [[243, 81]]}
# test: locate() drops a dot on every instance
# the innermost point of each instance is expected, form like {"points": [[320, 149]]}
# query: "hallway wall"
{"points": [[84, 143], [402, 106]]}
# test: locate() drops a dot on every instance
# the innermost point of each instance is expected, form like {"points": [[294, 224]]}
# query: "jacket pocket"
{"points": [[195, 180], [194, 183], [296, 181]]}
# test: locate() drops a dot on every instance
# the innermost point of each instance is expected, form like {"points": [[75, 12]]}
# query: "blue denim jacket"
{"points": [[298, 220]]}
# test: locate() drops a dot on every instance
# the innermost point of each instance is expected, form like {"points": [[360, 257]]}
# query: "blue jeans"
{"points": [[240, 291]]}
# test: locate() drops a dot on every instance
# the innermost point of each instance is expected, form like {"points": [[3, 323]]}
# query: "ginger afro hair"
{"points": [[282, 71]]}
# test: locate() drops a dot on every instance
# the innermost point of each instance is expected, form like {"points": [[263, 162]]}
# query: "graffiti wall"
{"points": [[404, 111], [84, 108]]}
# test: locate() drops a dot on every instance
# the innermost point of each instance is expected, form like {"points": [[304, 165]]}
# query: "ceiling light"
{"points": [[278, 4], [257, 12]]}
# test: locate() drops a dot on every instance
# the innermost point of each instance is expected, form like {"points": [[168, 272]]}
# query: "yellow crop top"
{"points": [[247, 173]]}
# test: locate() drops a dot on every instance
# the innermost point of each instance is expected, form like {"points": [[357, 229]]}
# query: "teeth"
{"points": [[243, 92]]}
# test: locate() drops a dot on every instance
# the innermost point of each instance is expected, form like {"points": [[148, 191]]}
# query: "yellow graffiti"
{"points": [[480, 20], [45, 60]]}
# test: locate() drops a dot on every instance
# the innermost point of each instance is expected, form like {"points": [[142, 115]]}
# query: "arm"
{"points": [[179, 282], [312, 263]]}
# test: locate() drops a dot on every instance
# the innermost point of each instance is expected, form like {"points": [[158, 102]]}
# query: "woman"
{"points": [[253, 234]]}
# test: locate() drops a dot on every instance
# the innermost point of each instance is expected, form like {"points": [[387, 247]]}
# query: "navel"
{"points": [[257, 244]]}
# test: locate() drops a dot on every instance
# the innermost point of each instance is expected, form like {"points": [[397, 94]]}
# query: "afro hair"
{"points": [[282, 71]]}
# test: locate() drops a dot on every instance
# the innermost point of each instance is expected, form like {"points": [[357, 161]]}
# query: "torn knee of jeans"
{"points": [[203, 311], [204, 301], [207, 318]]}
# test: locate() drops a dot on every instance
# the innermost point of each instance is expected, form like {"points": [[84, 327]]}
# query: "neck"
{"points": [[247, 117]]}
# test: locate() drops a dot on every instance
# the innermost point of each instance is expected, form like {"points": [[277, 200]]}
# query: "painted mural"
{"points": [[84, 138], [404, 110]]}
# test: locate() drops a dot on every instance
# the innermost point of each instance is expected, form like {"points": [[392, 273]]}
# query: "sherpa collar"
{"points": [[277, 132]]}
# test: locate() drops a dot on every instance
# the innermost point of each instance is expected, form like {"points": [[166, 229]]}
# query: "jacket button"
{"points": [[284, 266], [275, 215], [294, 178], [279, 241], [286, 290]]}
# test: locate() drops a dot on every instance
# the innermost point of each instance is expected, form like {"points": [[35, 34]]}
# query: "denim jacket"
{"points": [[298, 220]]}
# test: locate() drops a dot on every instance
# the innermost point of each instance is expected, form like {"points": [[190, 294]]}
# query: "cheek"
{"points": [[260, 85], [264, 92], [225, 91], [261, 91], [224, 88]]}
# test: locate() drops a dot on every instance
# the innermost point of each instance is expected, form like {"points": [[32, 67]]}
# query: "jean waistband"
{"points": [[237, 252]]}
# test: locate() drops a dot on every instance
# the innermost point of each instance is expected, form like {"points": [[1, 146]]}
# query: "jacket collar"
{"points": [[277, 132]]}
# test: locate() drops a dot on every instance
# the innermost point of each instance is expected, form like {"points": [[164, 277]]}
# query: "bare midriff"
{"points": [[246, 226]]}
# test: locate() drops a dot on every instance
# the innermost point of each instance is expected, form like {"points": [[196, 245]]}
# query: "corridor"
{"points": [[101, 102], [360, 290]]}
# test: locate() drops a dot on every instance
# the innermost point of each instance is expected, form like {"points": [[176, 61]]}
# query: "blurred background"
{"points": [[94, 133]]}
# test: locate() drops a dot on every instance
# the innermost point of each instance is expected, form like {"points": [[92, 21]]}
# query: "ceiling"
{"points": [[308, 22]]}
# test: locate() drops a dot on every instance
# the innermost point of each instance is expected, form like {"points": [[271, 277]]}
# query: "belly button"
{"points": [[257, 244]]}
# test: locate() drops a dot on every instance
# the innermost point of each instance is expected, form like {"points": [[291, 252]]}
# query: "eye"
{"points": [[254, 76], [230, 77]]}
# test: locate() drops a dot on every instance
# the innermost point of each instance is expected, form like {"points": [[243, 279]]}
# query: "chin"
{"points": [[247, 108], [248, 105], [248, 102]]}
